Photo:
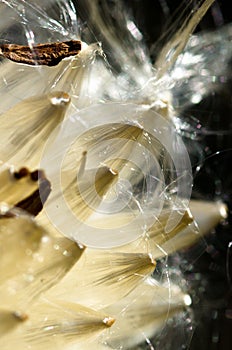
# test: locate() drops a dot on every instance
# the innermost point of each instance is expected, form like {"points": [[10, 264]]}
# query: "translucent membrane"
{"points": [[102, 277], [87, 195], [143, 313], [31, 23], [130, 55], [125, 50], [196, 222], [25, 128], [57, 324], [176, 45], [153, 240], [43, 220], [148, 169], [38, 21], [200, 56]]}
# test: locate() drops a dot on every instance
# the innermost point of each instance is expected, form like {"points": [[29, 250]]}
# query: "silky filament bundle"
{"points": [[144, 172], [95, 181], [59, 324], [27, 127], [44, 260], [112, 274]]}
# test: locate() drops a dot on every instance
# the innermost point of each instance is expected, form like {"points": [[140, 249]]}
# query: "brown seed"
{"points": [[37, 175], [23, 172], [48, 54], [34, 203]]}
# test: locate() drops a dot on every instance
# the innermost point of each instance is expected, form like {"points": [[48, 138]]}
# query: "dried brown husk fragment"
{"points": [[48, 54]]}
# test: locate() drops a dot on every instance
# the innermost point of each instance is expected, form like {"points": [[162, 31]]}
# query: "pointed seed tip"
{"points": [[223, 210], [188, 216], [20, 316], [113, 172], [60, 98], [108, 321], [153, 261], [81, 246]]}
